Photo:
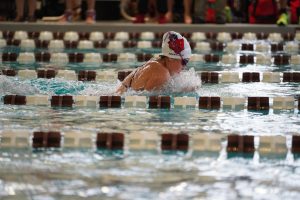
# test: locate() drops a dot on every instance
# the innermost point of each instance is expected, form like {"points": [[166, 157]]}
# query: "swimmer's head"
{"points": [[176, 46]]}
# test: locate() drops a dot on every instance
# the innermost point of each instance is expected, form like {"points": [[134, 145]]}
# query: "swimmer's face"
{"points": [[175, 65]]}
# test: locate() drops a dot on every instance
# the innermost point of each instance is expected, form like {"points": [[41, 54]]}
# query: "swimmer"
{"points": [[155, 73]]}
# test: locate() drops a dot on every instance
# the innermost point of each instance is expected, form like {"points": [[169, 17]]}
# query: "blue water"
{"points": [[87, 174]]}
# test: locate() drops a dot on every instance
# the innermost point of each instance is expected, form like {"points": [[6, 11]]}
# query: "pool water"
{"points": [[90, 174]]}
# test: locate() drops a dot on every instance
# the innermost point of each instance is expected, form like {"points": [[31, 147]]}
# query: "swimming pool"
{"points": [[236, 137]]}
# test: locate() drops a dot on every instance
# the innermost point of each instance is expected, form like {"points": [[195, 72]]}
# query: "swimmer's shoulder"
{"points": [[157, 67]]}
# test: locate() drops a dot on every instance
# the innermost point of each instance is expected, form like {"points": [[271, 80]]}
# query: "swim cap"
{"points": [[175, 46]]}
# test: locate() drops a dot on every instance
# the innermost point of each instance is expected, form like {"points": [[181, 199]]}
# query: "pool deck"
{"points": [[116, 26]]}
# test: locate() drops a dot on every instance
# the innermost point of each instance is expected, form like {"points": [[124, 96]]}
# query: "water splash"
{"points": [[186, 81], [58, 86], [99, 89], [9, 86]]}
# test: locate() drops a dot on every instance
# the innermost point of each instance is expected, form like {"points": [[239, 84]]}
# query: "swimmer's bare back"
{"points": [[151, 76]]}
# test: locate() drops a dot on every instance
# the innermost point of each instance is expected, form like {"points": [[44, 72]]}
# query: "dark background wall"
{"points": [[106, 9]]}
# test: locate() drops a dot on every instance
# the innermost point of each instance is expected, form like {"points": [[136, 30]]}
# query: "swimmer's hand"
{"points": [[121, 89]]}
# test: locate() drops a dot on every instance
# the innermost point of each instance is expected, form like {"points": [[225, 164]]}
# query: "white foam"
{"points": [[51, 86], [186, 81], [10, 86], [98, 89]]}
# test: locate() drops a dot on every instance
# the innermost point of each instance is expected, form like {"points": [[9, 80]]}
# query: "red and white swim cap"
{"points": [[175, 46]]}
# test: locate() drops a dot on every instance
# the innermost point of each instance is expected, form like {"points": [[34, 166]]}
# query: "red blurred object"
{"points": [[139, 19], [263, 12], [210, 16], [162, 19], [294, 7]]}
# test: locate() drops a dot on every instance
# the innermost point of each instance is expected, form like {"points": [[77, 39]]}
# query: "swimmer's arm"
{"points": [[121, 89], [127, 80], [125, 84]]}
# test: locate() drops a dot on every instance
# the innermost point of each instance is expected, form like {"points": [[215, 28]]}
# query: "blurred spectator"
{"points": [[73, 10], [295, 11], [20, 11], [283, 18], [263, 12], [209, 11], [239, 10], [169, 14], [143, 7], [187, 11]]}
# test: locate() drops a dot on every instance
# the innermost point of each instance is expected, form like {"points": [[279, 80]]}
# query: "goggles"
{"points": [[185, 61]]}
